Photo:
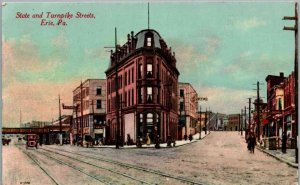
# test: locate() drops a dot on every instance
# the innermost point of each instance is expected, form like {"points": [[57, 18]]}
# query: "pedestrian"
{"points": [[283, 143], [185, 137], [190, 137], [157, 141], [252, 143], [148, 140]]}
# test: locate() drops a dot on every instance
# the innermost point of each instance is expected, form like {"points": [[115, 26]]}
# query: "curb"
{"points": [[294, 165], [148, 147]]}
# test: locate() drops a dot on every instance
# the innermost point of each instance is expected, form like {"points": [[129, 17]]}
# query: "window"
{"points": [[132, 77], [99, 105], [98, 91], [132, 97], [140, 73], [125, 78], [129, 96], [128, 77], [149, 70], [149, 119], [181, 92], [125, 99], [149, 94], [149, 41], [279, 104], [181, 106], [140, 94]]}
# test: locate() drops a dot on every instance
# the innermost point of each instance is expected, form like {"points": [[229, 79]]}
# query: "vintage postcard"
{"points": [[142, 92]]}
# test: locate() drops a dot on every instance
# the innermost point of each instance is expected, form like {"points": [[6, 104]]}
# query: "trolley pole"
{"points": [[295, 29], [245, 121], [241, 122], [117, 102], [60, 124]]}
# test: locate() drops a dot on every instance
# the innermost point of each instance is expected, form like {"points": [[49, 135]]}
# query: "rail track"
{"points": [[129, 166], [49, 154]]}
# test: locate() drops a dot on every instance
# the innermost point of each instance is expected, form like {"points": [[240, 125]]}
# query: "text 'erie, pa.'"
{"points": [[52, 19]]}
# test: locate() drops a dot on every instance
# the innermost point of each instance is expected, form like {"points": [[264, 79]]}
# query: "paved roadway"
{"points": [[220, 158]]}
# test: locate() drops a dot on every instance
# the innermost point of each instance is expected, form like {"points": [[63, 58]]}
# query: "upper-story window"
{"points": [[149, 94], [140, 72], [98, 91], [149, 41], [99, 104], [140, 95], [181, 92], [149, 70]]}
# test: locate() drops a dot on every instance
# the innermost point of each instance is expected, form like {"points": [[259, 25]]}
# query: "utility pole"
{"points": [[258, 112], [249, 115], [245, 121], [81, 110], [60, 124], [295, 29], [205, 120], [117, 102], [200, 124], [241, 122]]}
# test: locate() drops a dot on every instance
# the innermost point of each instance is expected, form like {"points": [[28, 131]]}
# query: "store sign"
{"points": [[98, 131]]}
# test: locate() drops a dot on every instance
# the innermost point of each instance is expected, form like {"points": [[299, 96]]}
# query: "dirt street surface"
{"points": [[220, 158]]}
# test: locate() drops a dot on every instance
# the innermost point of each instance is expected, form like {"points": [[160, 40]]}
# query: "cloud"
{"points": [[23, 57], [191, 56], [38, 101], [223, 99], [249, 23]]}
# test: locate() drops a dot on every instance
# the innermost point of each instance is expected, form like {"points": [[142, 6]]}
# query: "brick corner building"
{"points": [[147, 88]]}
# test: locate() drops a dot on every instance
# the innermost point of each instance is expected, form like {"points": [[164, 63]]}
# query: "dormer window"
{"points": [[149, 40]]}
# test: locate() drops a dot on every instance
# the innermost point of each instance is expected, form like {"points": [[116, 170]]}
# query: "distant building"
{"points": [[147, 88], [188, 105], [233, 122], [35, 124], [275, 104], [91, 120]]}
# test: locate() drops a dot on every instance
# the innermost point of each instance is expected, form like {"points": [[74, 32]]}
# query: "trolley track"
{"points": [[147, 170], [33, 158], [88, 163]]}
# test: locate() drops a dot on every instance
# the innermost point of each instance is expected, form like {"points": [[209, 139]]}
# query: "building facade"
{"points": [[233, 122], [290, 125], [89, 118], [144, 96], [275, 104], [188, 105]]}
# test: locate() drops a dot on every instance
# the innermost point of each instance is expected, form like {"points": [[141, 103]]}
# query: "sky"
{"points": [[222, 50]]}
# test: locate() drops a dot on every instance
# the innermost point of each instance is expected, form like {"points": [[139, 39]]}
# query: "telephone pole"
{"points": [[241, 122], [117, 103], [245, 121], [258, 111], [249, 114], [205, 120], [295, 29], [60, 124], [81, 111]]}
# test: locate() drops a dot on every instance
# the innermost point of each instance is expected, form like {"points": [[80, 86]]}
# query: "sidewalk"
{"points": [[288, 157], [162, 145]]}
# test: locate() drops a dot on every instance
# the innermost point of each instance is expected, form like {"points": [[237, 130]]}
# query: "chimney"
{"points": [[128, 43], [132, 40], [281, 74]]}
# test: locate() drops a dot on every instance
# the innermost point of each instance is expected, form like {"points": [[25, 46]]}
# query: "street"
{"points": [[220, 158]]}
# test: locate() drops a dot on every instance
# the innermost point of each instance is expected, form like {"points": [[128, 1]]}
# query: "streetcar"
{"points": [[31, 141]]}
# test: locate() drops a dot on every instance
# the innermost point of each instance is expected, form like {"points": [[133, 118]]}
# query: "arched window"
{"points": [[149, 119]]}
